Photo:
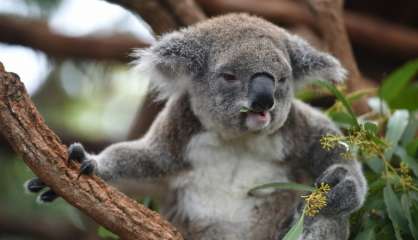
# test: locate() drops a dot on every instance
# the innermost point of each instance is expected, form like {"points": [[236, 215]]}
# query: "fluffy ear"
{"points": [[310, 64], [171, 62]]}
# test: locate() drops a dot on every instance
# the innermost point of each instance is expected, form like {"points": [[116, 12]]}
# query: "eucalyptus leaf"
{"points": [[394, 210], [341, 98], [406, 207], [296, 231], [395, 128], [367, 234], [370, 127], [393, 85], [104, 233], [342, 117]]}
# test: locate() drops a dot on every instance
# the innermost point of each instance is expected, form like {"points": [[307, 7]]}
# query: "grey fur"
{"points": [[201, 145]]}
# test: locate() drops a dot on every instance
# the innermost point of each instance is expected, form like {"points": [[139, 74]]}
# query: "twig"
{"points": [[42, 151]]}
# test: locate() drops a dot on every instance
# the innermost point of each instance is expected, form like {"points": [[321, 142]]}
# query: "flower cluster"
{"points": [[405, 180], [359, 138], [316, 200]]}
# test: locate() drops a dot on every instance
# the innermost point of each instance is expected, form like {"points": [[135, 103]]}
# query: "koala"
{"points": [[206, 152]]}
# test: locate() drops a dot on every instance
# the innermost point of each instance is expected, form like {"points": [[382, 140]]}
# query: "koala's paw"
{"points": [[35, 185], [346, 193], [77, 153]]}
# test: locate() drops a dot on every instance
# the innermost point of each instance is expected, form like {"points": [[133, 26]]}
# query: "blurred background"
{"points": [[73, 56]]}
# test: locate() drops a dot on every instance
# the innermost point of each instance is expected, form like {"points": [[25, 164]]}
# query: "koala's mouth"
{"points": [[257, 120]]}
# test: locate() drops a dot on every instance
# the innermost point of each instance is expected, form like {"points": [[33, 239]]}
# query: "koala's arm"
{"points": [[345, 176], [158, 154]]}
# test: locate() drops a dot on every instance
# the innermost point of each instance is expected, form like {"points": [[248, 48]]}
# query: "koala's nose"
{"points": [[261, 92]]}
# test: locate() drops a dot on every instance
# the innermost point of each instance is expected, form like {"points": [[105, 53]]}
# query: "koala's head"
{"points": [[235, 62]]}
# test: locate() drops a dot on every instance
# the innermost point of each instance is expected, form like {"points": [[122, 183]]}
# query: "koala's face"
{"points": [[239, 72], [247, 86]]}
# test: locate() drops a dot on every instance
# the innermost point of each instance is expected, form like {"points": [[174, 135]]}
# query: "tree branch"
{"points": [[42, 151], [330, 17], [152, 11], [36, 34], [363, 30]]}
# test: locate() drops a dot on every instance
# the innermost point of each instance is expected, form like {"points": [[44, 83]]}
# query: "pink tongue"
{"points": [[261, 116]]}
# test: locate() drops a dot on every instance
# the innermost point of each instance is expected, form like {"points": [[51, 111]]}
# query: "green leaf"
{"points": [[393, 85], [406, 207], [244, 109], [412, 164], [367, 234], [282, 185], [395, 128], [375, 164], [394, 210], [408, 98], [296, 231], [340, 97], [342, 117], [412, 148], [104, 233], [370, 127], [146, 201], [410, 131]]}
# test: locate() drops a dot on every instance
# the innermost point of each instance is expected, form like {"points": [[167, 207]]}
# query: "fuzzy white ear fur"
{"points": [[147, 65], [310, 64], [171, 62]]}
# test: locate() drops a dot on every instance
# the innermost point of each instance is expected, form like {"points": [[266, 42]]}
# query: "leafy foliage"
{"points": [[385, 140]]}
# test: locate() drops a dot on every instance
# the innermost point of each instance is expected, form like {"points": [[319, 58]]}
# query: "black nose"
{"points": [[261, 92]]}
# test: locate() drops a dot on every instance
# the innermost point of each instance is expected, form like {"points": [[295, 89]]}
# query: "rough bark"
{"points": [[36, 34], [42, 151]]}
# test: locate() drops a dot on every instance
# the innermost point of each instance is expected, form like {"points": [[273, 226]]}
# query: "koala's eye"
{"points": [[228, 77]]}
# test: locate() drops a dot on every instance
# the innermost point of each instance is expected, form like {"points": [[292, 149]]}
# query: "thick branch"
{"points": [[36, 34], [42, 151], [329, 14], [371, 32]]}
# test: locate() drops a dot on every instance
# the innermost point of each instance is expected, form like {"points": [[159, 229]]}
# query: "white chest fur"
{"points": [[223, 173]]}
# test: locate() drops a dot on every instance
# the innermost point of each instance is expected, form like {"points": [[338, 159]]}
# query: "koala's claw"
{"points": [[87, 168], [34, 185], [76, 152], [47, 196]]}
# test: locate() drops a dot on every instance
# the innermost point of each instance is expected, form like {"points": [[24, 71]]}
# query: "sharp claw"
{"points": [[76, 152], [34, 185], [86, 168], [47, 196]]}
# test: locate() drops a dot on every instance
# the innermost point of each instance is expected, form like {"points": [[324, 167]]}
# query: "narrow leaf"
{"points": [[395, 128], [406, 207], [367, 234], [393, 85], [394, 210], [340, 97], [296, 231]]}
